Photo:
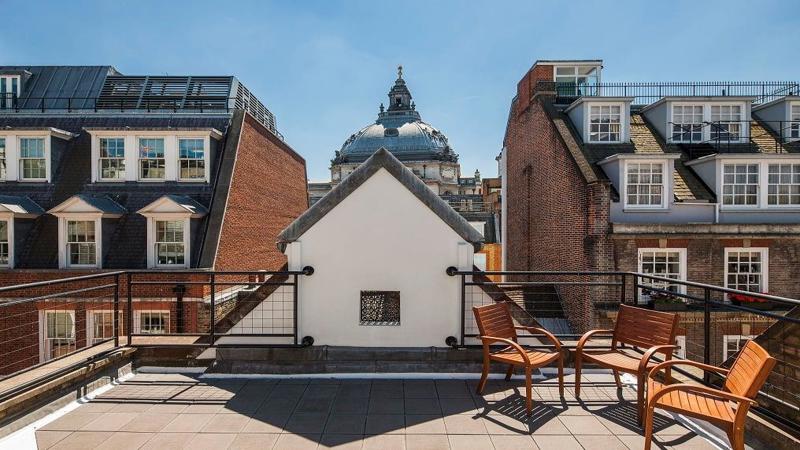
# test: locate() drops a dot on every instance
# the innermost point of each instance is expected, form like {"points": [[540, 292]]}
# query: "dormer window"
{"points": [[169, 230], [9, 90], [783, 185], [170, 242], [32, 159], [2, 159], [81, 243], [5, 242], [80, 232], [712, 122], [605, 123], [191, 159], [644, 184], [794, 126], [152, 165], [740, 184], [112, 159]]}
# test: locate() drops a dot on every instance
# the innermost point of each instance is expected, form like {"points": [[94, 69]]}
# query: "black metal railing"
{"points": [[11, 102], [714, 322], [734, 136], [644, 93], [84, 318]]}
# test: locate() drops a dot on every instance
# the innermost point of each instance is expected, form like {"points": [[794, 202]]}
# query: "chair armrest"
{"points": [[490, 339], [649, 354], [547, 334], [587, 335], [685, 362], [693, 388]]}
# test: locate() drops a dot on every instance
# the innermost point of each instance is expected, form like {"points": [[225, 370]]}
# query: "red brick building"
{"points": [[101, 172], [702, 184]]}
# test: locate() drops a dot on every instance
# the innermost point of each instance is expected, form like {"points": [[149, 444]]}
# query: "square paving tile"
{"points": [[109, 421], [81, 440], [384, 405], [163, 441], [581, 425], [226, 423], [210, 441], [422, 406], [125, 441], [253, 441], [187, 423], [149, 422], [602, 442], [384, 442], [350, 405], [425, 424], [385, 424], [557, 442], [463, 424], [427, 442], [346, 424], [463, 442], [306, 423], [297, 442], [341, 441], [47, 439], [517, 442]]}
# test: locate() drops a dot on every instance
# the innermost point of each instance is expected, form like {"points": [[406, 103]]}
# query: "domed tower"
{"points": [[401, 130]]}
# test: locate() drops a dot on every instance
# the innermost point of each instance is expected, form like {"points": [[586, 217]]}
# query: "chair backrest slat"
{"points": [[495, 320], [645, 328], [749, 371]]}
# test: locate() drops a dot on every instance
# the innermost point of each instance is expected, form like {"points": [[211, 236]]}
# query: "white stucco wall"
{"points": [[381, 237]]}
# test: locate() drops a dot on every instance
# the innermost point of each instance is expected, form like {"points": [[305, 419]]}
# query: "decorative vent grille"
{"points": [[380, 308]]}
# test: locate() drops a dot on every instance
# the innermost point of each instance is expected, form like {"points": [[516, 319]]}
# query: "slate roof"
{"points": [[19, 204], [76, 86], [102, 203], [72, 170], [381, 159], [645, 140]]}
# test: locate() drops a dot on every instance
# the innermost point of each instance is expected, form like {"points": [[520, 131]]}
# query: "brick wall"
{"points": [[557, 220], [268, 191]]}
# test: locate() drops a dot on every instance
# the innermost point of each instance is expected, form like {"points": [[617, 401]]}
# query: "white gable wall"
{"points": [[381, 237]]}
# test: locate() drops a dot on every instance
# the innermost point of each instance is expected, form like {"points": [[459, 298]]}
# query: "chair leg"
{"points": [[617, 380], [561, 375], [509, 372], [640, 399], [528, 390], [736, 437], [648, 428], [577, 375], [484, 377]]}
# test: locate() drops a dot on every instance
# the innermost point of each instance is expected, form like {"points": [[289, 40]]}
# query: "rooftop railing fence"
{"points": [[714, 321], [645, 93]]}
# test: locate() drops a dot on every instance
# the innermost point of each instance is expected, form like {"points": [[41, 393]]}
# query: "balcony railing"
{"points": [[12, 103], [644, 93], [85, 318], [735, 136], [714, 321]]}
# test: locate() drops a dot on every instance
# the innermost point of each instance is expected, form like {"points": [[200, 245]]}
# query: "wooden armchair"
{"points": [[726, 407], [652, 331], [496, 326]]}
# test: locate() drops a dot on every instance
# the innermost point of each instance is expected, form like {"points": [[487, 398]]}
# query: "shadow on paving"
{"points": [[176, 410]]}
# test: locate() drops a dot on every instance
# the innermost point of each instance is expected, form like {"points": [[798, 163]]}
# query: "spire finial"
{"points": [[400, 72]]}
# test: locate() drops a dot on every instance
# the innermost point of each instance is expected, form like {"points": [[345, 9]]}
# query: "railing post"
{"points": [[463, 307], [116, 310], [636, 290], [213, 312], [622, 290], [129, 319], [706, 332], [294, 306]]}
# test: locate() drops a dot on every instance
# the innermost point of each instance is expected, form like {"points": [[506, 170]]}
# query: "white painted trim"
{"points": [[137, 320], [152, 261], [764, 265], [18, 160], [206, 159], [43, 331], [763, 182], [682, 263], [63, 257], [732, 337], [625, 119], [8, 217], [667, 166]]}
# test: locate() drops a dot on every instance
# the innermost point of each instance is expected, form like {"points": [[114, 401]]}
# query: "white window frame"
{"points": [[152, 255], [63, 253], [738, 338], [46, 156], [590, 83], [205, 159], [794, 121], [623, 122], [764, 265], [4, 159], [124, 159], [763, 183], [666, 177], [680, 352], [792, 183], [45, 347], [8, 103], [671, 122], [9, 219], [139, 159], [706, 132], [90, 337], [757, 184], [137, 324], [681, 265]]}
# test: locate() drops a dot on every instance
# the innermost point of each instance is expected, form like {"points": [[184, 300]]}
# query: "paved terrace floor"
{"points": [[165, 411]]}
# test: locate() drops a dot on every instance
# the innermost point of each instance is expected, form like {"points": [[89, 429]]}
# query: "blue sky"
{"points": [[323, 67]]}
